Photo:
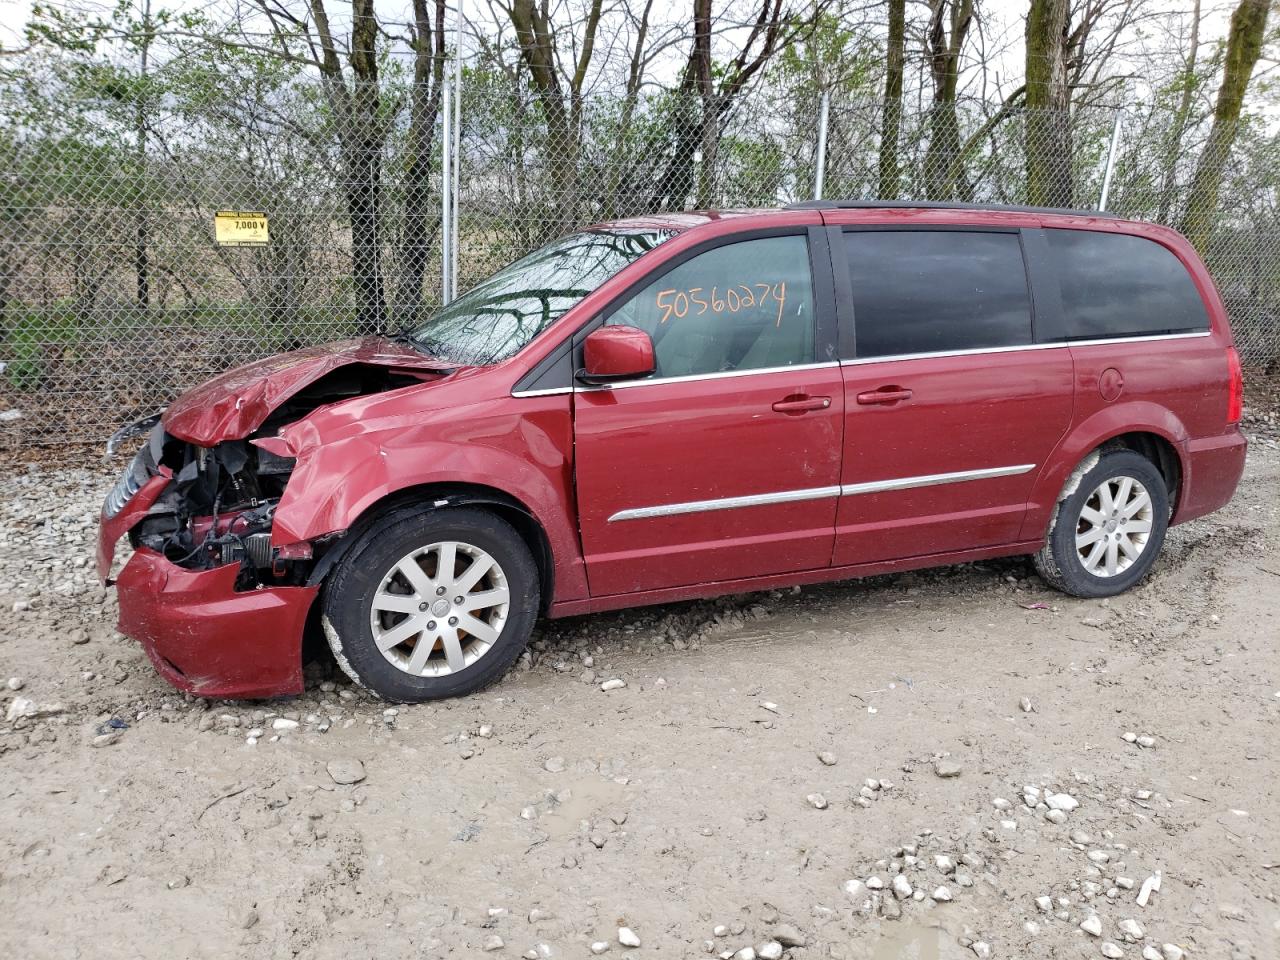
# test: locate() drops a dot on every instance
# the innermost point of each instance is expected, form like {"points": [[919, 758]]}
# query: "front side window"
{"points": [[923, 291], [742, 306], [1117, 285], [499, 316]]}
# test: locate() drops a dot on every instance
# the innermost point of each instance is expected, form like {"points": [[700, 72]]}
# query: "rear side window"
{"points": [[1116, 285], [931, 291]]}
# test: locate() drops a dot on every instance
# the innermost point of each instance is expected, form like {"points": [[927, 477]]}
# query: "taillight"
{"points": [[1235, 389]]}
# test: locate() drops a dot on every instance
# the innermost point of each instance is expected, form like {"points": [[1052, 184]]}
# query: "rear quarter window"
{"points": [[1117, 285]]}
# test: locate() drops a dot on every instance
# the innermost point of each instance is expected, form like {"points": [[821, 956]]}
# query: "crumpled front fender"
{"points": [[526, 456]]}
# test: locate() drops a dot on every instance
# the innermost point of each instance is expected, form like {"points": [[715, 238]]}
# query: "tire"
{"points": [[373, 601], [1080, 524]]}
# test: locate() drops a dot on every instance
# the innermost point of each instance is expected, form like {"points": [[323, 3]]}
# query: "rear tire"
{"points": [[1107, 533], [437, 603]]}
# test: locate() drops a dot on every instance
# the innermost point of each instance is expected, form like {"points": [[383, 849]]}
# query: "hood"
{"points": [[234, 404]]}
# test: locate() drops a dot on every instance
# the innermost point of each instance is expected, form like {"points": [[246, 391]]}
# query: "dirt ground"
{"points": [[538, 818]]}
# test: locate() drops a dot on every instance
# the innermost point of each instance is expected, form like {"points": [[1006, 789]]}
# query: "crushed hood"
{"points": [[235, 403]]}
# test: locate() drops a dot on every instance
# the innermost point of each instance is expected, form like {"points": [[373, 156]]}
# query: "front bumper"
{"points": [[209, 640]]}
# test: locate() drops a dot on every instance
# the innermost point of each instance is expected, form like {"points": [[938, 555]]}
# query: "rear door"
{"points": [[725, 464], [952, 407]]}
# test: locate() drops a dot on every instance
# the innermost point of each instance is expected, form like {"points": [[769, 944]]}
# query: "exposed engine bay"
{"points": [[219, 507]]}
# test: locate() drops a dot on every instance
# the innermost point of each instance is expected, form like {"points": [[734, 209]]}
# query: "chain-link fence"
{"points": [[116, 292]]}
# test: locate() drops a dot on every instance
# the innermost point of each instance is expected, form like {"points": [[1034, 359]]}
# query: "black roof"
{"points": [[937, 205]]}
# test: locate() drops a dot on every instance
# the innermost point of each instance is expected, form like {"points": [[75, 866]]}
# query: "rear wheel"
{"points": [[1107, 533], [436, 604]]}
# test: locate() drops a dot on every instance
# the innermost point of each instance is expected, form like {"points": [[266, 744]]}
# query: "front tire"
{"points": [[437, 603], [1107, 533]]}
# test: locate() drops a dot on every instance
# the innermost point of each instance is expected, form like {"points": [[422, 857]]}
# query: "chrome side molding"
{"points": [[819, 493]]}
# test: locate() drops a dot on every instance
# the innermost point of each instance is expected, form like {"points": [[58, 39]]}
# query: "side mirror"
{"points": [[616, 353]]}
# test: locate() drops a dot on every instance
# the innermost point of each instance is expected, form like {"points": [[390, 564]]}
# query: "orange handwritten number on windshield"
{"points": [[665, 307]]}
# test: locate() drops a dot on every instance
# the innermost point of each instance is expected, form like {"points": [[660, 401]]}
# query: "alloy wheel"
{"points": [[1114, 526], [440, 609]]}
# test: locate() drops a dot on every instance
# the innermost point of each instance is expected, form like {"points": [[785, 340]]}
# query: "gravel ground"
{"points": [[945, 764]]}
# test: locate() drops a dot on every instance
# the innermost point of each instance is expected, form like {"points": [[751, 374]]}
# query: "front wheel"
{"points": [[436, 604], [1107, 533]]}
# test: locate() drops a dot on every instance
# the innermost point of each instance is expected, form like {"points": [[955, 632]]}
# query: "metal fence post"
{"points": [[456, 219], [446, 200], [1111, 162], [820, 172]]}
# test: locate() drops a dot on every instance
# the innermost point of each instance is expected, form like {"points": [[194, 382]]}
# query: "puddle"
{"points": [[589, 799], [899, 941]]}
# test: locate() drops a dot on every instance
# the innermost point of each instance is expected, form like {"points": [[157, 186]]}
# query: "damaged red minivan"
{"points": [[681, 406]]}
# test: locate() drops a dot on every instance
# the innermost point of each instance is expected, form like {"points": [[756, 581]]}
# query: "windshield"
{"points": [[499, 316]]}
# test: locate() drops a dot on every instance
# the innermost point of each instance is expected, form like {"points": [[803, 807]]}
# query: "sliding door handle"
{"points": [[884, 395]]}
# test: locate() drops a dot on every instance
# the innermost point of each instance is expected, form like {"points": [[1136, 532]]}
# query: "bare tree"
{"points": [[949, 23], [1048, 102], [891, 118], [1244, 46]]}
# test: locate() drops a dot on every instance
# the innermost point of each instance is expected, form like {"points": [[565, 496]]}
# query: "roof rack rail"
{"points": [[937, 205]]}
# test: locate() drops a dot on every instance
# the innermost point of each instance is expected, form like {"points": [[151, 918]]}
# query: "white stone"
{"points": [[627, 937], [982, 949], [901, 887], [493, 942], [283, 723], [1044, 904], [875, 883], [944, 863], [615, 684], [599, 947], [1111, 951], [1092, 926], [1171, 951], [852, 887], [817, 800], [769, 951], [1131, 929], [1149, 886], [942, 895], [1151, 953], [1061, 801]]}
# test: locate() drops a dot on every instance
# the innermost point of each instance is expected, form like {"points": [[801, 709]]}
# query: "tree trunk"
{"points": [[419, 197], [941, 172], [142, 237], [1048, 105], [362, 152], [1174, 153], [890, 122], [1244, 45]]}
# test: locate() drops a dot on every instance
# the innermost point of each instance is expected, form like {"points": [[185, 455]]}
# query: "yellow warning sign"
{"points": [[240, 228]]}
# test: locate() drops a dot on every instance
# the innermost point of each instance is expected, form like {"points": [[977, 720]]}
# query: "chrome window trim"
{"points": [[932, 479], [819, 493], [979, 351], [1153, 336], [726, 503], [546, 392], [719, 375]]}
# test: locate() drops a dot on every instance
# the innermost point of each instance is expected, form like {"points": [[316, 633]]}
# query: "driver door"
{"points": [[725, 463]]}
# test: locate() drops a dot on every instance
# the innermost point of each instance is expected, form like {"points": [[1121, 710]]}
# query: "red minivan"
{"points": [[681, 406]]}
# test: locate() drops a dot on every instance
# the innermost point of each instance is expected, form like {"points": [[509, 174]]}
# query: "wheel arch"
{"points": [[1148, 429], [442, 495]]}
